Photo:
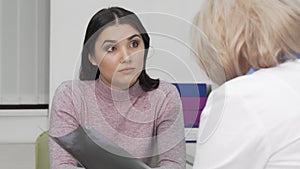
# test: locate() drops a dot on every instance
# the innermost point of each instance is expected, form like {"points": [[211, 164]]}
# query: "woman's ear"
{"points": [[92, 59]]}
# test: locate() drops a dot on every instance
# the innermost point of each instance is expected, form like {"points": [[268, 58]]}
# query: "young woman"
{"points": [[251, 121], [116, 97]]}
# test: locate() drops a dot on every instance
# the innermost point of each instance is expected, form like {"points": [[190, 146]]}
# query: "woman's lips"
{"points": [[127, 70]]}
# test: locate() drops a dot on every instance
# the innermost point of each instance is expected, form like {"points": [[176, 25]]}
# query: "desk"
{"points": [[190, 154]]}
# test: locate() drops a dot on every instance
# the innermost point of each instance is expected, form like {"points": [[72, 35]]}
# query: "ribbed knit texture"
{"points": [[143, 123]]}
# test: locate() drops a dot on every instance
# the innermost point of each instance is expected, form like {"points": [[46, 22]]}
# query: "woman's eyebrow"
{"points": [[133, 36], [114, 41], [109, 41]]}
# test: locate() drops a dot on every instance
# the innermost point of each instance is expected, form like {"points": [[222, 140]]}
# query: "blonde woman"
{"points": [[252, 120]]}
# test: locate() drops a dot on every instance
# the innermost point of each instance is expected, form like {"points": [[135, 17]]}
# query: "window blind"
{"points": [[24, 52]]}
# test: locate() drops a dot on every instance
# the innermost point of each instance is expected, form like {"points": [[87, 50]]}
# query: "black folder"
{"points": [[94, 151]]}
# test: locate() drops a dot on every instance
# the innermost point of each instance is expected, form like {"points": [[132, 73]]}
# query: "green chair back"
{"points": [[42, 151]]}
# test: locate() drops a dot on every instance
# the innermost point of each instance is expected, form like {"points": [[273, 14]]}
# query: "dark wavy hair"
{"points": [[101, 20]]}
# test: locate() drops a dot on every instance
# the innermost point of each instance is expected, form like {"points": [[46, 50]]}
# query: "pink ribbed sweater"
{"points": [[132, 118]]}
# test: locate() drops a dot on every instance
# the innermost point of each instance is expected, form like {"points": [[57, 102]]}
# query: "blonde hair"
{"points": [[230, 36]]}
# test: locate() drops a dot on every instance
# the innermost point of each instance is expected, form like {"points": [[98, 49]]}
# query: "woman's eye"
{"points": [[134, 44], [110, 48]]}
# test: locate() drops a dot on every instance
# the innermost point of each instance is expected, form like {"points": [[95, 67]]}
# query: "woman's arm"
{"points": [[62, 121], [170, 132]]}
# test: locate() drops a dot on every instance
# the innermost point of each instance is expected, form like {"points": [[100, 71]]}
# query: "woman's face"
{"points": [[119, 54]]}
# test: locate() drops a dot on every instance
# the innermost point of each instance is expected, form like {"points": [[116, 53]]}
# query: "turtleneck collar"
{"points": [[118, 95]]}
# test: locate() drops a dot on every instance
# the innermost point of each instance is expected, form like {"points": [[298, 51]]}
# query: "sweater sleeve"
{"points": [[62, 121], [170, 132]]}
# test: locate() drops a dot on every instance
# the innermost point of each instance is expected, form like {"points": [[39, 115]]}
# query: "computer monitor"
{"points": [[193, 97]]}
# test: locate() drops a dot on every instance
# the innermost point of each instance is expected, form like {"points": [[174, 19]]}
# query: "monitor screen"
{"points": [[193, 97]]}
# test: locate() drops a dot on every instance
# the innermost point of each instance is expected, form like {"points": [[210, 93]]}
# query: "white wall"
{"points": [[22, 126], [168, 23]]}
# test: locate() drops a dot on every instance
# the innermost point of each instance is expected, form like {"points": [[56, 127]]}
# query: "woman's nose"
{"points": [[125, 56]]}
